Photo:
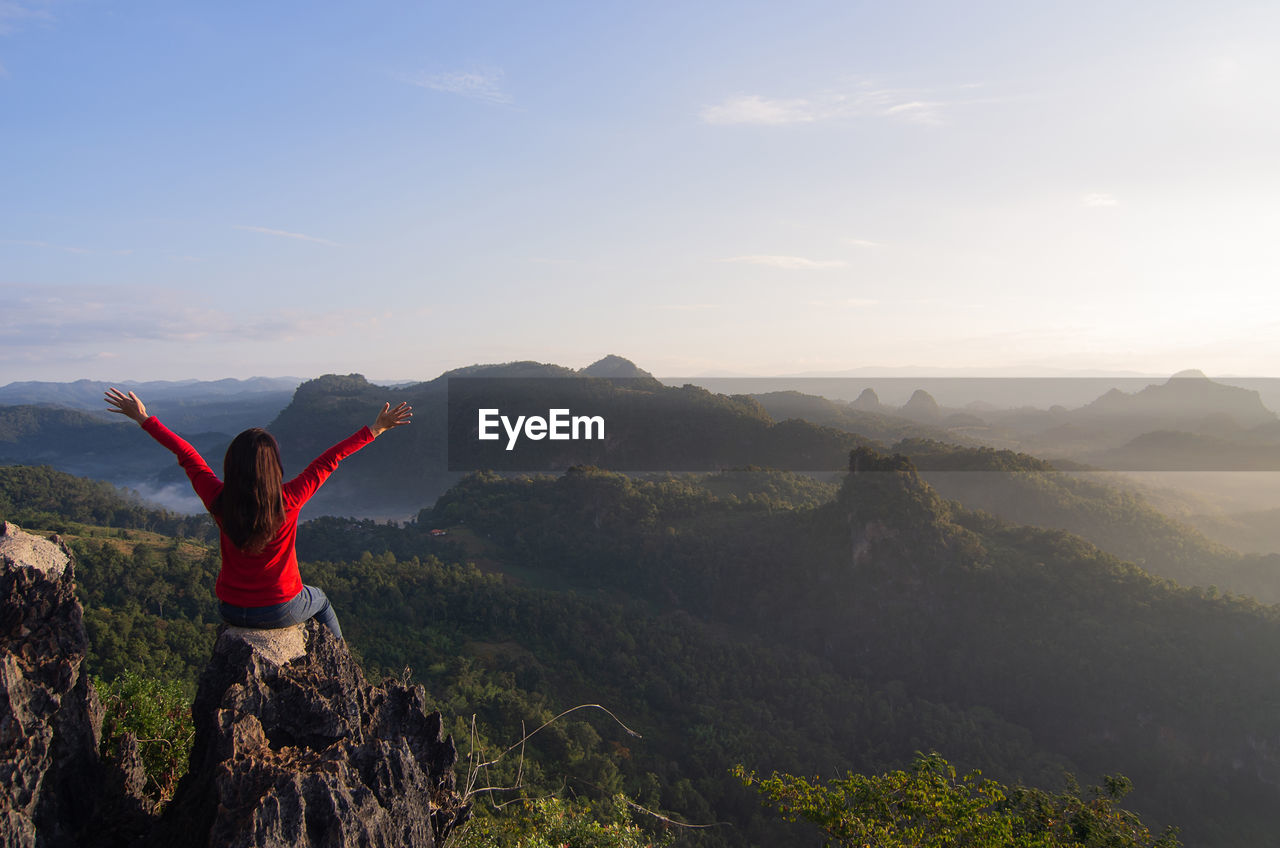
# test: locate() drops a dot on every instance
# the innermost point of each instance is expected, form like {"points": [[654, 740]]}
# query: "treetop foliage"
{"points": [[928, 806]]}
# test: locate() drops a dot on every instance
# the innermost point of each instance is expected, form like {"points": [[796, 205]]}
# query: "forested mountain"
{"points": [[87, 394], [86, 443], [764, 619], [649, 426], [1188, 396], [225, 406], [865, 417], [1187, 422], [1026, 490]]}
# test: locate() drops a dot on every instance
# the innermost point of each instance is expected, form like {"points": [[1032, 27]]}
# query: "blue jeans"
{"points": [[309, 603]]}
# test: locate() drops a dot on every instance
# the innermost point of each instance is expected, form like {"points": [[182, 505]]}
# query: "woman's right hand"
{"points": [[390, 418], [128, 405]]}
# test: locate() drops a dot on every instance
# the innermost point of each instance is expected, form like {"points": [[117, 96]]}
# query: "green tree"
{"points": [[555, 823], [930, 807]]}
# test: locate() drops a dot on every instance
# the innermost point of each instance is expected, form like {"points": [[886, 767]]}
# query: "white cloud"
{"points": [[753, 109], [790, 263], [484, 85], [286, 234], [1099, 199], [13, 13], [41, 317], [861, 100], [917, 111], [861, 242]]}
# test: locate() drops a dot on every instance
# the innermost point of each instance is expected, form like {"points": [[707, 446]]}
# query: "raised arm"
{"points": [[203, 480], [389, 419]]}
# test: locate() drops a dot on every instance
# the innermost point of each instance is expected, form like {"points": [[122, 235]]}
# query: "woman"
{"points": [[257, 515]]}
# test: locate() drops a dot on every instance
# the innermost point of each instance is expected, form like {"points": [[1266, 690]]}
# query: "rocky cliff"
{"points": [[293, 747], [50, 717]]}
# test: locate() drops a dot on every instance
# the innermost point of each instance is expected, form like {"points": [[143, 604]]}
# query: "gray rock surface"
{"points": [[50, 717], [294, 747], [277, 646], [19, 548], [306, 752]]}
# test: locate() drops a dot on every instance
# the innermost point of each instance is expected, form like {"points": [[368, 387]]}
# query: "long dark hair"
{"points": [[250, 506]]}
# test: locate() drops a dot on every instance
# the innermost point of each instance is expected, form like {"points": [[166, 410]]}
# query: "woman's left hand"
{"points": [[390, 418]]}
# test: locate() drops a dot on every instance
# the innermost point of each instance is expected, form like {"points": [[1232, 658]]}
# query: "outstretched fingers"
{"points": [[388, 418], [126, 404]]}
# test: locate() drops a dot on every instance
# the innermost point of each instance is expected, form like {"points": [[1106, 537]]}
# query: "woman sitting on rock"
{"points": [[257, 515]]}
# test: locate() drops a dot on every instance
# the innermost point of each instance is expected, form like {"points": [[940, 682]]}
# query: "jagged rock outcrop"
{"points": [[50, 716], [294, 747]]}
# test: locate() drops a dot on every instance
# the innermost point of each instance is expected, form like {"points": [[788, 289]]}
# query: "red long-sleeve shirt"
{"points": [[270, 577]]}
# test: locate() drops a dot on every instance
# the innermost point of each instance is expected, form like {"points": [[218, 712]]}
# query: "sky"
{"points": [[237, 189]]}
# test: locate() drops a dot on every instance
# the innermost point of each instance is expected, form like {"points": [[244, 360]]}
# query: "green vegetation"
{"points": [[158, 714], [756, 618], [929, 807], [555, 823], [39, 496], [1027, 490]]}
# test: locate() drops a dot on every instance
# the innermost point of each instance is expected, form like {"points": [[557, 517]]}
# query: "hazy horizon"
{"points": [[402, 189]]}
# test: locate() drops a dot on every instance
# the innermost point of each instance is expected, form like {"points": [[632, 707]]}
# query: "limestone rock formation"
{"points": [[296, 749], [50, 717], [868, 401], [921, 407]]}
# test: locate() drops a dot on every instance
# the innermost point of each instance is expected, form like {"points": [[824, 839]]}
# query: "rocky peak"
{"points": [[868, 401], [921, 407], [50, 717], [295, 747]]}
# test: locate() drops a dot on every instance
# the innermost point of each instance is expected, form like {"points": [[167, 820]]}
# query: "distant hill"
{"points": [[1026, 490], [689, 427], [1165, 450], [1186, 399], [876, 422], [921, 407], [87, 394], [93, 445], [614, 367], [211, 406], [651, 427]]}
